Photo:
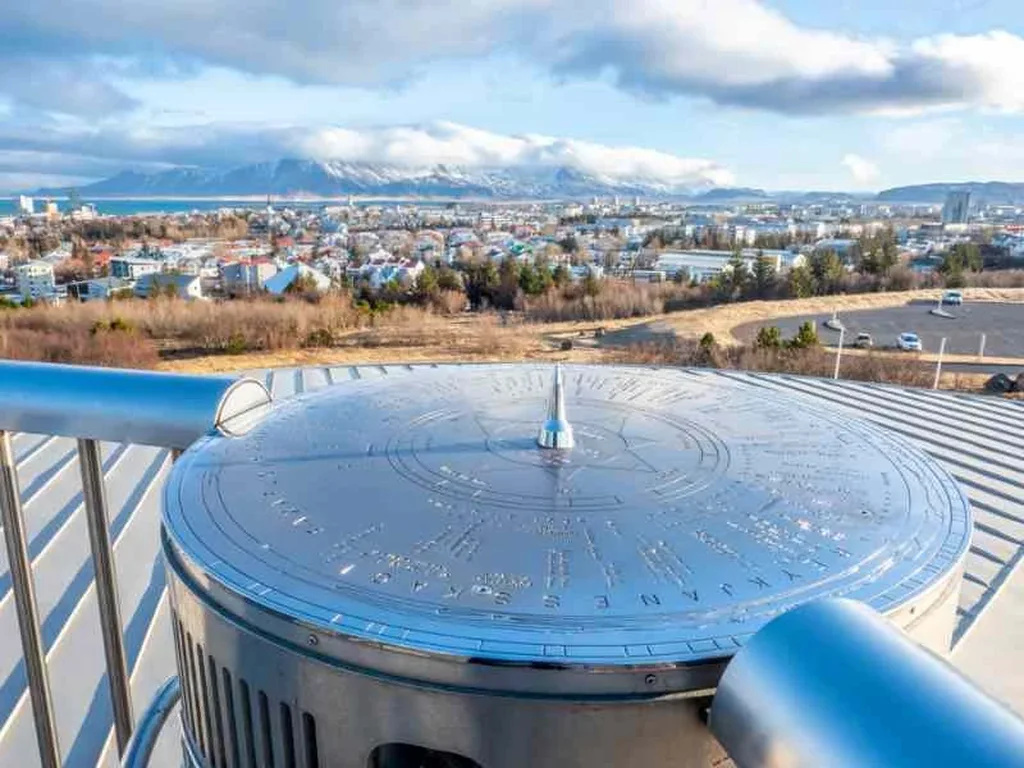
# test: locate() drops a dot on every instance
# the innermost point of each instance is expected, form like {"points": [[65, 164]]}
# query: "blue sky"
{"points": [[781, 94]]}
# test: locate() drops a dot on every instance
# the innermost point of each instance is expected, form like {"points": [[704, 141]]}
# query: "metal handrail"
{"points": [[168, 410], [832, 683], [143, 741], [93, 404]]}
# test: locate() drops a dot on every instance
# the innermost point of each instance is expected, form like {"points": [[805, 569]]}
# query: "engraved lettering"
{"points": [[727, 588], [453, 593], [551, 601], [650, 599], [418, 586], [759, 582], [381, 578], [601, 602], [502, 598]]}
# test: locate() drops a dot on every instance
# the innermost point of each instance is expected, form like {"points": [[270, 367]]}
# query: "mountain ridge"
{"points": [[291, 177], [991, 192]]}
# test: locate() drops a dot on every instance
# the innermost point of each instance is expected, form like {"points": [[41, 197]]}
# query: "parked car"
{"points": [[953, 298], [909, 342], [863, 341]]}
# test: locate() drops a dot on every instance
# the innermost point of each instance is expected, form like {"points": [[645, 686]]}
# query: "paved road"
{"points": [[1003, 325]]}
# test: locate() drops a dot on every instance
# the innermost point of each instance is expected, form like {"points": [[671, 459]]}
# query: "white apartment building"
{"points": [[128, 268], [35, 280], [241, 278]]}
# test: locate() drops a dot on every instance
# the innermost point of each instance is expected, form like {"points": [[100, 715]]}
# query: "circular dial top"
{"points": [[421, 513]]}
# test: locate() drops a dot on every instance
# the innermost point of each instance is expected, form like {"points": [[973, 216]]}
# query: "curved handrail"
{"points": [[144, 739], [832, 683], [124, 406]]}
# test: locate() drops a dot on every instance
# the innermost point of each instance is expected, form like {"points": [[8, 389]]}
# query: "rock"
{"points": [[1018, 384], [599, 333], [566, 345], [1000, 383]]}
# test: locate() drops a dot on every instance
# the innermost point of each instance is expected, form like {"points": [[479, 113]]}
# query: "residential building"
{"points": [[26, 205], [133, 268], [702, 265], [186, 287], [242, 278], [957, 208], [283, 280], [99, 289], [35, 280]]}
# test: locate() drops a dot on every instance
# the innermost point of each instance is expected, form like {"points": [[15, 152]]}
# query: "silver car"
{"points": [[909, 342]]}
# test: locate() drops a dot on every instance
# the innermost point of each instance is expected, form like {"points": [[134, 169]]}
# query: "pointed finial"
{"points": [[556, 432]]}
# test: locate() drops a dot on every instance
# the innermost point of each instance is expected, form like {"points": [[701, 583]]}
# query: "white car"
{"points": [[909, 342], [953, 298]]}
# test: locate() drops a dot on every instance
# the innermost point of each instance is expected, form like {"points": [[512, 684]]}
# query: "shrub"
{"points": [[236, 344], [805, 338], [319, 337], [769, 337]]}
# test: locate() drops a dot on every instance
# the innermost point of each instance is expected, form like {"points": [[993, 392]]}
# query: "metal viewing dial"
{"points": [[423, 513]]}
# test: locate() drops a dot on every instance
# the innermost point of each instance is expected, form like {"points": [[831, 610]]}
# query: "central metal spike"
{"points": [[557, 431]]}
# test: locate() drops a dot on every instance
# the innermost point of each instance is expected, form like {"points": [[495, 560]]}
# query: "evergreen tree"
{"points": [[764, 278], [800, 283]]}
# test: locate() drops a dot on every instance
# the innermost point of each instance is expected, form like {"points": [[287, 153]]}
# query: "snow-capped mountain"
{"points": [[334, 178]]}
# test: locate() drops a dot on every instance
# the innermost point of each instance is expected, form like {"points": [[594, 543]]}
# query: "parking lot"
{"points": [[1002, 324]]}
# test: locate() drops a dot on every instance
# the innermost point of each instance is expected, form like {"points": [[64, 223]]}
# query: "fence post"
{"points": [[938, 365], [25, 605], [839, 353], [981, 348], [93, 489]]}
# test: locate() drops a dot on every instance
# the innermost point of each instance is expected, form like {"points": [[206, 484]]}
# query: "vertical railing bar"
{"points": [[25, 603], [94, 491]]}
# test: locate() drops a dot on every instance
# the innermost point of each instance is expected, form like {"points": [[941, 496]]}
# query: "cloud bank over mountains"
{"points": [[105, 152]]}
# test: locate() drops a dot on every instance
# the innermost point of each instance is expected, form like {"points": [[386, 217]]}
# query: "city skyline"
{"points": [[786, 94]]}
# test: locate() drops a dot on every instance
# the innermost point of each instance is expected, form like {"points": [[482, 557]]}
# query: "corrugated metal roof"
{"points": [[977, 439]]}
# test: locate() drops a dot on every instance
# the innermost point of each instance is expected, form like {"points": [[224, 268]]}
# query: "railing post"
{"points": [[25, 604], [106, 588], [938, 364], [839, 353]]}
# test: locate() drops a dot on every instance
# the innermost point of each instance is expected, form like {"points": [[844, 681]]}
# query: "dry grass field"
{"points": [[218, 337]]}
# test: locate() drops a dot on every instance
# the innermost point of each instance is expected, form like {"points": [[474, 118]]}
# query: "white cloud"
{"points": [[454, 144], [739, 52], [862, 170], [108, 149]]}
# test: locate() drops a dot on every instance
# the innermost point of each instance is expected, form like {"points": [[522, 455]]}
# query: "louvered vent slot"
{"points": [[188, 703], [230, 719], [199, 695], [216, 712], [266, 735], [211, 752], [287, 736], [310, 748], [245, 715]]}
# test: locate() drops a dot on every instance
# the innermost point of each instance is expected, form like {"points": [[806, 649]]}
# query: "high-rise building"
{"points": [[26, 205], [957, 208]]}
